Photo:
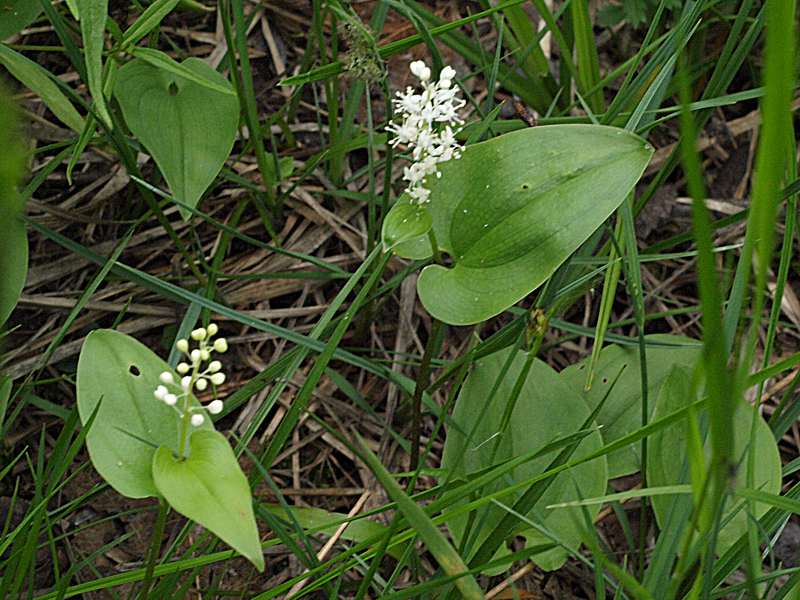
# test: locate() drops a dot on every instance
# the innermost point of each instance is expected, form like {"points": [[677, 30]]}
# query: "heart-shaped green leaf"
{"points": [[187, 127], [622, 411], [406, 222], [130, 424], [13, 239], [16, 15], [512, 209], [210, 488], [667, 457], [546, 409]]}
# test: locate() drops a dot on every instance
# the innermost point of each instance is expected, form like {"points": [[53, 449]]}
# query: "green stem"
{"points": [[155, 547]]}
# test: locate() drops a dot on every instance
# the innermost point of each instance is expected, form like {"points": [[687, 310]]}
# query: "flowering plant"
{"points": [[166, 447], [509, 211]]}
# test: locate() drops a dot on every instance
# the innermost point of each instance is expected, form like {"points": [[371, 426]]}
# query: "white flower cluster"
{"points": [[428, 126], [194, 377]]}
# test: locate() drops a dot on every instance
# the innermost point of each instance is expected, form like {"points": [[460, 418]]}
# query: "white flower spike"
{"points": [[428, 125], [194, 376]]}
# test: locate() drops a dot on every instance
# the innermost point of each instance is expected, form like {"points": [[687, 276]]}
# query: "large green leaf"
{"points": [[667, 456], [118, 371], [622, 411], [210, 488], [16, 15], [13, 239], [36, 78], [512, 209], [188, 128], [547, 409]]}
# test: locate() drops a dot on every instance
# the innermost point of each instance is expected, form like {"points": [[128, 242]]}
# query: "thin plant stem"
{"points": [[155, 548]]}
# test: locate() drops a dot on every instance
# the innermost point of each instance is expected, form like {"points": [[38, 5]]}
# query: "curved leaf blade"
{"points": [[620, 366], [512, 209], [14, 239], [210, 488], [188, 128], [668, 456], [547, 409], [404, 223], [16, 15], [37, 79], [122, 373]]}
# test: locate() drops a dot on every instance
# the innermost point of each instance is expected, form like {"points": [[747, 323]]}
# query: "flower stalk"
{"points": [[197, 374]]}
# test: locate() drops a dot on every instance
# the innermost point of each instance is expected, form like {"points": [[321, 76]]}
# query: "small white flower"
{"points": [[215, 407], [160, 393], [195, 356], [218, 378], [220, 345], [198, 420], [182, 368], [182, 345], [170, 399], [199, 334], [186, 383], [428, 125], [201, 384], [166, 377], [212, 329], [205, 354], [214, 366]]}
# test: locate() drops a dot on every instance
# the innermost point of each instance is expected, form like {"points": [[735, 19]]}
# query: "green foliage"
{"points": [[405, 223], [546, 409], [618, 376], [189, 127], [93, 15], [210, 488], [668, 460], [120, 373], [36, 78], [14, 239], [512, 209], [634, 12], [16, 15]]}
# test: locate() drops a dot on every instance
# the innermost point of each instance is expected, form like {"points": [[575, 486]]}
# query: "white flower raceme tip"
{"points": [[429, 122], [178, 392]]}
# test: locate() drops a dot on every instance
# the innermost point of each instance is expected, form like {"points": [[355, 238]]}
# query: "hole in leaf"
{"points": [[526, 186], [134, 370], [173, 89], [605, 379]]}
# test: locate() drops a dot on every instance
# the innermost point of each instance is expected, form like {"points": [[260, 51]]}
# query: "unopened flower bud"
{"points": [[186, 382], [214, 366], [195, 356], [170, 399], [160, 392], [201, 384], [183, 368], [166, 377], [205, 354], [182, 345], [215, 407], [420, 70], [218, 378], [199, 334], [197, 420], [212, 329], [220, 345]]}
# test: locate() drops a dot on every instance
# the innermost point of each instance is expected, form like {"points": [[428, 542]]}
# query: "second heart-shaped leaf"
{"points": [[210, 488], [189, 128]]}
